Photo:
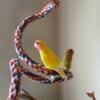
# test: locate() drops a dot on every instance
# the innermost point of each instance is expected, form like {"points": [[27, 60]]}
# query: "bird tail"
{"points": [[61, 73]]}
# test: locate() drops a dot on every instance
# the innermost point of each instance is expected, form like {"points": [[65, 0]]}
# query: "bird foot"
{"points": [[53, 78], [69, 75]]}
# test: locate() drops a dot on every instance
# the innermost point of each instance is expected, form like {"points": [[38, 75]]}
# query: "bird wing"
{"points": [[50, 61]]}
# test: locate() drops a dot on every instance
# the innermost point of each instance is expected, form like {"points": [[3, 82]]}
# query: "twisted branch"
{"points": [[17, 71]]}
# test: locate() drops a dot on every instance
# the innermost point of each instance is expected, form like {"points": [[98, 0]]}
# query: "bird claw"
{"points": [[53, 78], [69, 75]]}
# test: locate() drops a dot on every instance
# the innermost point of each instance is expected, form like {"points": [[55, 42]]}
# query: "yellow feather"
{"points": [[49, 59]]}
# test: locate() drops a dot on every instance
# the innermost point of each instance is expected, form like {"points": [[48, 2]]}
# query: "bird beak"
{"points": [[35, 45]]}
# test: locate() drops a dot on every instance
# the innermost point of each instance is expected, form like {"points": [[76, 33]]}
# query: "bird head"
{"points": [[39, 45], [69, 54], [70, 51]]}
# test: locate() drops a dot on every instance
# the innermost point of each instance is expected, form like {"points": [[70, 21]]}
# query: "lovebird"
{"points": [[50, 60], [67, 60]]}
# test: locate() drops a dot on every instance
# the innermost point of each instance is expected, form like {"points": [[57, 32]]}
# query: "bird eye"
{"points": [[37, 42]]}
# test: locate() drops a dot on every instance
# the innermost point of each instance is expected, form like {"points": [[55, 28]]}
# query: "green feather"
{"points": [[67, 60]]}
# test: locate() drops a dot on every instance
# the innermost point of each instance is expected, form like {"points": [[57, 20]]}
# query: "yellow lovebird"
{"points": [[49, 58]]}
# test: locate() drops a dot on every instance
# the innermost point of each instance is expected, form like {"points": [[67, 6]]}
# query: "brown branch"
{"points": [[91, 95]]}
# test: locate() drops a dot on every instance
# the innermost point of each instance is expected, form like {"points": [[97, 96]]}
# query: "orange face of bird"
{"points": [[70, 51], [39, 45]]}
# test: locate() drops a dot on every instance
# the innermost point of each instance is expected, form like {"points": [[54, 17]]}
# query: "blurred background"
{"points": [[74, 24]]}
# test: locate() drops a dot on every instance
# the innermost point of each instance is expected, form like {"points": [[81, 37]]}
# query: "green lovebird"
{"points": [[67, 60]]}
